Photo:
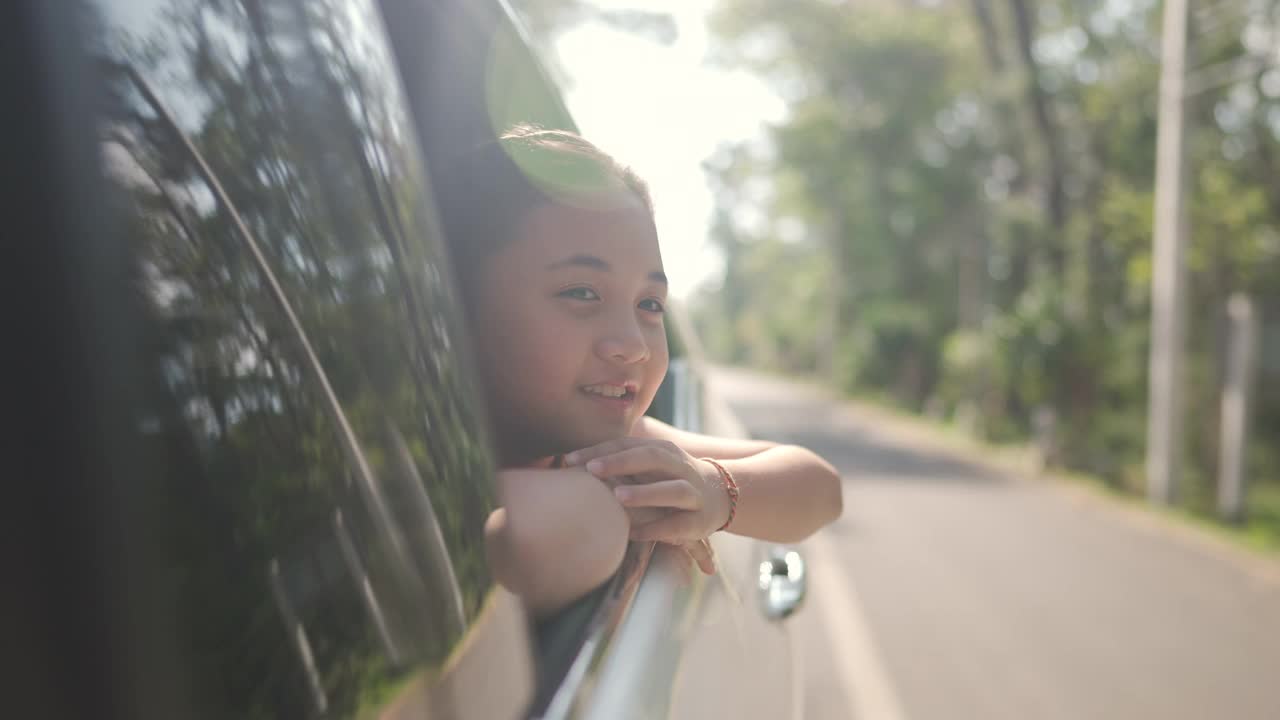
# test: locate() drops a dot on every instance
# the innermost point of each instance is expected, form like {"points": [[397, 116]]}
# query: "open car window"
{"points": [[314, 517], [468, 74]]}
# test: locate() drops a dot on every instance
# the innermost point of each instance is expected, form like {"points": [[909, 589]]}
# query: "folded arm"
{"points": [[558, 535]]}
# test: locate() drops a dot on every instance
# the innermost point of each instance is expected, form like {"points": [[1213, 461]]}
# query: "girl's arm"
{"points": [[558, 535], [786, 492]]}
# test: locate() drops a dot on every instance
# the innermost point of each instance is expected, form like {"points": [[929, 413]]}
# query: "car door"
{"points": [[274, 502]]}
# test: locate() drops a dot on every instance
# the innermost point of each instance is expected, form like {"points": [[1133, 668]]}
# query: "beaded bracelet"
{"points": [[730, 486]]}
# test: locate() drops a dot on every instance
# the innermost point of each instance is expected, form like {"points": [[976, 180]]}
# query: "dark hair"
{"points": [[485, 192]]}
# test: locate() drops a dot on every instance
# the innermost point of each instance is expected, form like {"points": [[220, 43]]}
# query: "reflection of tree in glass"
{"points": [[289, 108]]}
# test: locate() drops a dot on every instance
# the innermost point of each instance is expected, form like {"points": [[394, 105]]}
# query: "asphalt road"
{"points": [[949, 592]]}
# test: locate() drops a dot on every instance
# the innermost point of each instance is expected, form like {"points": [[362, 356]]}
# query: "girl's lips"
{"points": [[611, 389], [614, 402], [621, 400]]}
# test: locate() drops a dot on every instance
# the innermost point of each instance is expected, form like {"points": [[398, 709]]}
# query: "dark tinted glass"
{"points": [[320, 488]]}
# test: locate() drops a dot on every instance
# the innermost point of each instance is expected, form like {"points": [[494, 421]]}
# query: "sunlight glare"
{"points": [[661, 110]]}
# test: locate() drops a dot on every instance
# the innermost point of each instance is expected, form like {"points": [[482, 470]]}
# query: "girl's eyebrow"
{"points": [[595, 263], [581, 260]]}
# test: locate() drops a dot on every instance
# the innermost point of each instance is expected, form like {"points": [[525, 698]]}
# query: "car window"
{"points": [[321, 481]]}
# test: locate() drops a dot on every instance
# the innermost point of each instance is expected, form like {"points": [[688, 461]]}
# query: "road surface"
{"points": [[949, 592]]}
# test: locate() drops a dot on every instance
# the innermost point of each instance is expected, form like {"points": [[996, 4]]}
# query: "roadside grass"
{"points": [[1258, 533]]}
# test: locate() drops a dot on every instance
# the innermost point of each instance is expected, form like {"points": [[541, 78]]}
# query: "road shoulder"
{"points": [[1019, 464]]}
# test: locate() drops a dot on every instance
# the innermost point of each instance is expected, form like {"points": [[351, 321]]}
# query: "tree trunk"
{"points": [[1055, 201]]}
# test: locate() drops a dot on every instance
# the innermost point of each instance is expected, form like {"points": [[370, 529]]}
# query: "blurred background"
{"points": [[948, 206], [1040, 231]]}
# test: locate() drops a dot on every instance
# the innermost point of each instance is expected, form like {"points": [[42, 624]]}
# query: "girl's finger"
{"points": [[643, 515], [612, 447], [639, 460], [676, 528], [702, 554], [678, 494], [609, 447], [617, 480]]}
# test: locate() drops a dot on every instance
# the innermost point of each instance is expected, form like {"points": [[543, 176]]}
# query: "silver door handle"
{"points": [[782, 583]]}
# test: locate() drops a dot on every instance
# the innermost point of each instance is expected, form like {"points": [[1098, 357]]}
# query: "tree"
{"points": [[983, 174]]}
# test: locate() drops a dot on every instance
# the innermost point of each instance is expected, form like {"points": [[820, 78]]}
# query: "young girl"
{"points": [[564, 290]]}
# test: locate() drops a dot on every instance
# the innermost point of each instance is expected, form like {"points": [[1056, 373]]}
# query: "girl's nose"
{"points": [[623, 342]]}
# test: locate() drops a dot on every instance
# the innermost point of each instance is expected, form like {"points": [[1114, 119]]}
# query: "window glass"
{"points": [[321, 484]]}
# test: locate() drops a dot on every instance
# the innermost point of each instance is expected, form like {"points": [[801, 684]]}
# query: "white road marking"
{"points": [[867, 688]]}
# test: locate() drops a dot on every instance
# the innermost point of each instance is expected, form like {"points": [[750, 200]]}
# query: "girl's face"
{"points": [[570, 333]]}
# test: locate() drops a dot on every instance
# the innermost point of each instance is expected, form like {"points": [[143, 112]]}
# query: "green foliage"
{"points": [[976, 181]]}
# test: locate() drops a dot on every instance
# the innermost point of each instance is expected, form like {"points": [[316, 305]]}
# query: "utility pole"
{"points": [[1164, 409], [1237, 392]]}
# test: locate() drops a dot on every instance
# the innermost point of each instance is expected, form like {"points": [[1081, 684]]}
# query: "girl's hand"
{"points": [[700, 552], [663, 476], [637, 515]]}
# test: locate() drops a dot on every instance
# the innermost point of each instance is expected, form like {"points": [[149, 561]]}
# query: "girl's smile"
{"points": [[617, 391], [615, 398]]}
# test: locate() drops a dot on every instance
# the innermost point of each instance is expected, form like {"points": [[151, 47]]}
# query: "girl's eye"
{"points": [[652, 305], [580, 293]]}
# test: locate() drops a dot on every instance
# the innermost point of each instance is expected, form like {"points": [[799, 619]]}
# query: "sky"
{"points": [[663, 110]]}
